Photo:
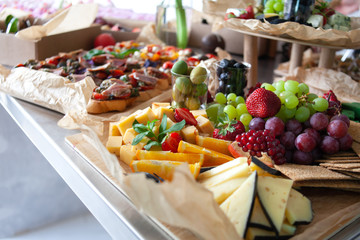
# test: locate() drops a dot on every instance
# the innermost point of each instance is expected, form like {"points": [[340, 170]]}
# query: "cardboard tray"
{"points": [[14, 51]]}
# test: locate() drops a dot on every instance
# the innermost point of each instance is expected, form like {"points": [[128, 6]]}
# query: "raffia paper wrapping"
{"points": [[47, 89], [76, 17], [321, 80], [293, 30]]}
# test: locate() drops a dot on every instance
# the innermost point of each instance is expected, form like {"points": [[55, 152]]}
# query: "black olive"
{"points": [[224, 63], [239, 65], [221, 86], [232, 62], [224, 76], [219, 70]]}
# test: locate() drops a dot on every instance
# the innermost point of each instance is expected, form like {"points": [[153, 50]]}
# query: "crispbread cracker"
{"points": [[356, 147], [343, 184], [354, 130], [352, 174], [298, 172], [357, 170], [343, 158], [341, 165], [337, 161], [341, 154]]}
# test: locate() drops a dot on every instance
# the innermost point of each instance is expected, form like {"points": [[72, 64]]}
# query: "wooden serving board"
{"points": [[325, 202]]}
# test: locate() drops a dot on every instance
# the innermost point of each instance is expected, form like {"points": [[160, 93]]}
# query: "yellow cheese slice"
{"points": [[273, 195], [258, 218], [236, 172], [223, 190], [222, 168], [239, 205], [298, 209]]}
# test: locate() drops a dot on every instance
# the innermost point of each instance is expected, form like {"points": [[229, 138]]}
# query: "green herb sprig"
{"points": [[148, 131]]}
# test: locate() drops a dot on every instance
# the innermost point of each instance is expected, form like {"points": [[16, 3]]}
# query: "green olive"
{"points": [[200, 89], [183, 84], [192, 103], [198, 75], [180, 67], [177, 95]]}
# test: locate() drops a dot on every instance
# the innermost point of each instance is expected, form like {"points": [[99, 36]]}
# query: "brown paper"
{"points": [[293, 30], [334, 222], [47, 89], [74, 18], [182, 202]]}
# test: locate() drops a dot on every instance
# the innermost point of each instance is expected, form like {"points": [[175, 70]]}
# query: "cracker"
{"points": [[341, 154], [352, 174], [354, 130], [343, 158], [341, 165], [337, 161], [357, 170], [342, 184], [298, 172], [356, 147]]}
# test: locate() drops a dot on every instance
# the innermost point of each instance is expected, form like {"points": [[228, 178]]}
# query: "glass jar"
{"points": [[231, 76], [189, 93], [166, 24], [298, 10]]}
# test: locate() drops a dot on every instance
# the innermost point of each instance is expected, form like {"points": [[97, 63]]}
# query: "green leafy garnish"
{"points": [[121, 55], [148, 131], [225, 125], [124, 53], [92, 53]]}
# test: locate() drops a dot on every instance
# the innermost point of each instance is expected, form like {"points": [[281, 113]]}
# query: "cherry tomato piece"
{"points": [[171, 142], [168, 65]]}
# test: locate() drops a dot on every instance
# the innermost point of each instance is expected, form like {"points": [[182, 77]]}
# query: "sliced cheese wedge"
{"points": [[258, 218], [239, 205], [224, 190], [236, 172], [298, 209], [261, 234], [273, 195], [222, 168]]}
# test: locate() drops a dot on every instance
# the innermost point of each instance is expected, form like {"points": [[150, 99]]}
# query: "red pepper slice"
{"points": [[99, 96], [185, 114], [168, 65], [116, 73]]}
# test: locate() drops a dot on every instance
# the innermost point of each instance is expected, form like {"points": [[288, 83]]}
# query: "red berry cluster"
{"points": [[256, 142], [334, 103]]}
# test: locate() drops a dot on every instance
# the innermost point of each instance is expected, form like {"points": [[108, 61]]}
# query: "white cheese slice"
{"points": [[235, 172], [239, 205], [298, 209], [220, 169], [273, 195], [258, 218], [224, 190]]}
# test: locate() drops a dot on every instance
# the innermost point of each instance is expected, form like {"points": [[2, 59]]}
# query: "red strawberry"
{"points": [[263, 103], [250, 11], [185, 114], [228, 130]]}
